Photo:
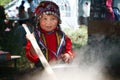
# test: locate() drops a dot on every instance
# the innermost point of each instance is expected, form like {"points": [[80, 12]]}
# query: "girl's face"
{"points": [[48, 22]]}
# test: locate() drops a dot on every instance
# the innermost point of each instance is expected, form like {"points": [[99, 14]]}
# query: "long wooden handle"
{"points": [[39, 52]]}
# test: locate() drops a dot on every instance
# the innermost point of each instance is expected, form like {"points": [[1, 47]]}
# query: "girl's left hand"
{"points": [[66, 57]]}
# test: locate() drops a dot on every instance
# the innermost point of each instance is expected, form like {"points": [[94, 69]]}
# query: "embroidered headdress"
{"points": [[47, 7]]}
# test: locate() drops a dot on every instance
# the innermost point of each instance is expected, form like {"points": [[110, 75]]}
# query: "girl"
{"points": [[53, 42]]}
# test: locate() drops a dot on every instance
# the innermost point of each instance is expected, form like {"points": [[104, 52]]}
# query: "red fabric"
{"points": [[69, 47], [109, 3], [52, 45], [31, 56], [110, 14]]}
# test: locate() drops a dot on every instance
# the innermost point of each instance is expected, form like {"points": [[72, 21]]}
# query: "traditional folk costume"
{"points": [[53, 43]]}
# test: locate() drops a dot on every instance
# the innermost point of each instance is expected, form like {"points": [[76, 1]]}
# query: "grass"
{"points": [[78, 36]]}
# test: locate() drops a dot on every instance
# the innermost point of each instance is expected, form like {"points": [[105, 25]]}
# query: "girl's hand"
{"points": [[66, 58]]}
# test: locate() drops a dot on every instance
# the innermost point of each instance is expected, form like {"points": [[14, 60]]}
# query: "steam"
{"points": [[92, 62]]}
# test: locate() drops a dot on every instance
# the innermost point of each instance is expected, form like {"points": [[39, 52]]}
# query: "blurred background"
{"points": [[92, 25]]}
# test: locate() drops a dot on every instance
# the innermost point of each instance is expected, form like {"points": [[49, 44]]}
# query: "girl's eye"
{"points": [[53, 18], [44, 18]]}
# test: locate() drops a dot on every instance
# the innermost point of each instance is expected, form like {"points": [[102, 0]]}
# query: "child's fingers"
{"points": [[65, 58]]}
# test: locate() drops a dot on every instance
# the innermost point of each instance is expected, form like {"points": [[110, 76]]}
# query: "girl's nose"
{"points": [[48, 21]]}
